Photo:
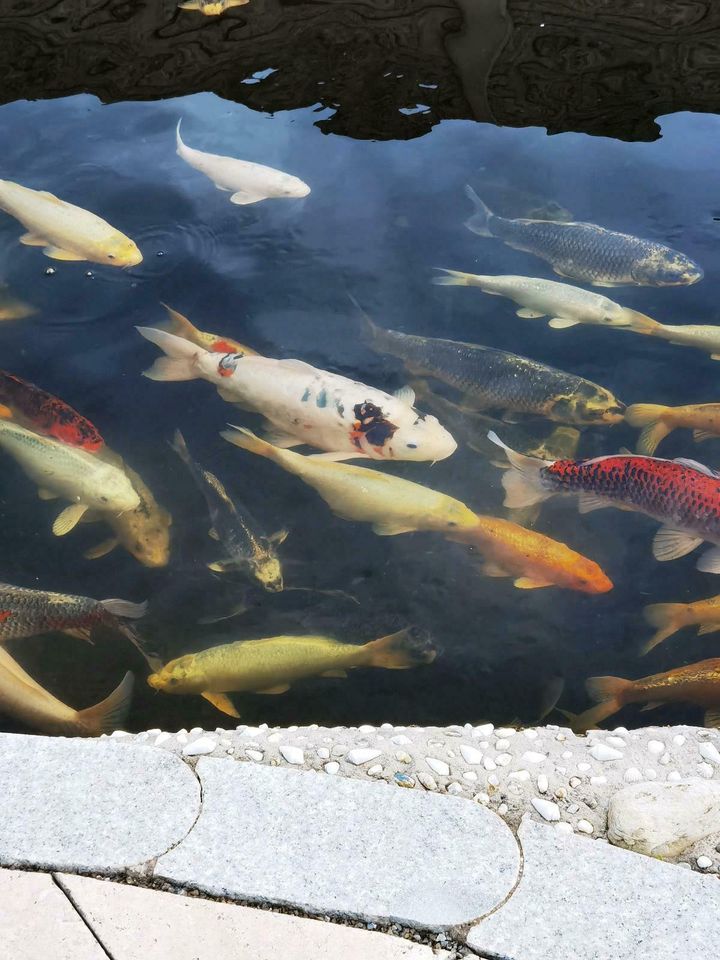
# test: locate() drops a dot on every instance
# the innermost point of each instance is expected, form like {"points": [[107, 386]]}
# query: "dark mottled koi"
{"points": [[38, 410]]}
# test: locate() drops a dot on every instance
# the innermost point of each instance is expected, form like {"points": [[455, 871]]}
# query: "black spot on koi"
{"points": [[372, 424]]}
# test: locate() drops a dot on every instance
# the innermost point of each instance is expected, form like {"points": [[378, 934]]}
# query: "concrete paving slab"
{"points": [[38, 922], [335, 846], [587, 900], [87, 805], [135, 923]]}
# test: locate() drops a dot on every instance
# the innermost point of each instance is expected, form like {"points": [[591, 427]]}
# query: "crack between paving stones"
{"points": [[148, 866], [78, 910]]}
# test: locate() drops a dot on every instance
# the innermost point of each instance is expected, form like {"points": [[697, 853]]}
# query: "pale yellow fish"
{"points": [[182, 327], [271, 665], [702, 336], [68, 473], [65, 231], [211, 8], [24, 699], [12, 308], [392, 505], [657, 421], [668, 618]]}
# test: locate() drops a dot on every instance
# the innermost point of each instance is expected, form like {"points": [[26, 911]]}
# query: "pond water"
{"points": [[277, 276]]}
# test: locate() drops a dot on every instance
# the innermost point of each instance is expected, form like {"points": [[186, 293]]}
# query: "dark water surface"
{"points": [[277, 276]]}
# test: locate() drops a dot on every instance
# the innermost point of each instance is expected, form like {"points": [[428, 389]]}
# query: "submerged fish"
{"points": [[245, 546], [671, 617], [12, 308], [697, 683], [41, 411], [701, 336], [566, 306], [584, 251], [211, 8], [65, 231], [69, 473], [247, 182], [24, 699], [533, 559], [495, 380], [390, 504], [658, 421], [27, 613], [684, 496], [306, 405], [272, 665], [182, 327], [513, 201]]}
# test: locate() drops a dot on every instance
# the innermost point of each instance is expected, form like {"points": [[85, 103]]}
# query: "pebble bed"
{"points": [[548, 772]]}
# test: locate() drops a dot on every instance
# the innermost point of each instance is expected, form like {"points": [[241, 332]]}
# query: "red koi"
{"points": [[41, 411]]}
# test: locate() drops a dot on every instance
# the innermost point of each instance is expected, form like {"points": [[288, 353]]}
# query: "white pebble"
{"points": [[332, 767], [375, 770], [255, 755], [426, 781], [575, 781], [561, 770], [598, 781], [195, 731], [502, 744], [489, 763], [573, 808], [493, 780], [561, 737], [403, 757], [584, 767], [656, 747], [708, 751], [651, 774], [181, 738], [438, 766], [362, 755], [542, 783], [482, 798], [323, 753], [366, 728], [161, 738], [705, 770], [704, 863], [519, 775], [616, 742], [274, 738], [470, 754], [674, 775], [470, 775], [633, 775], [505, 732], [249, 731], [454, 788], [292, 754], [679, 740], [199, 747], [484, 730], [531, 757], [564, 828], [603, 753], [514, 788], [665, 759], [502, 809], [567, 755], [119, 734], [584, 826], [503, 759], [531, 734], [401, 740], [546, 808]]}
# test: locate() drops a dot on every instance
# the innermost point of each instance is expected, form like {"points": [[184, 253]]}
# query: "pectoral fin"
{"points": [[700, 435], [560, 323], [670, 544], [46, 494], [222, 702], [213, 534], [652, 705], [224, 566], [335, 673], [68, 519], [278, 438], [337, 456], [102, 549], [527, 314], [57, 253], [80, 633], [280, 536], [271, 691], [406, 395], [388, 528], [529, 583], [242, 198], [586, 504], [491, 569], [32, 240], [708, 628]]}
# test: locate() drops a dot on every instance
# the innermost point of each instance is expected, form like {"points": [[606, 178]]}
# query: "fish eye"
{"points": [[411, 446], [104, 499], [111, 256]]}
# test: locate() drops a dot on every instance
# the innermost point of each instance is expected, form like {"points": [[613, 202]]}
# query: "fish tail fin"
{"points": [[179, 145], [456, 278], [180, 447], [479, 222], [649, 416], [369, 330], [523, 486], [180, 360], [609, 691], [179, 324], [152, 659], [107, 715], [400, 651], [247, 440], [125, 608], [666, 617]]}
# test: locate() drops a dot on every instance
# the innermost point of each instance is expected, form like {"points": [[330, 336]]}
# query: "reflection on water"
{"points": [[278, 277]]}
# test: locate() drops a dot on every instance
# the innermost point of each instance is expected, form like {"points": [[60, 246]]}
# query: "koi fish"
{"points": [[65, 231], [182, 327], [697, 683], [658, 421], [274, 664], [47, 414], [211, 8], [246, 182], [24, 699], [671, 617], [586, 252], [245, 546], [13, 309], [70, 473], [700, 335], [305, 405], [683, 495]]}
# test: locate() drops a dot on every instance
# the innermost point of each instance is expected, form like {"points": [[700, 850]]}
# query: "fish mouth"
{"points": [[154, 681]]}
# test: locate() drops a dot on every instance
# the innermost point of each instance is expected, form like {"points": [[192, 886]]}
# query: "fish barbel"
{"points": [[272, 665], [697, 683], [496, 380], [668, 618], [392, 505], [65, 231], [586, 252], [41, 411], [658, 421], [182, 327], [68, 472], [24, 699], [27, 613], [245, 545], [306, 405], [683, 495]]}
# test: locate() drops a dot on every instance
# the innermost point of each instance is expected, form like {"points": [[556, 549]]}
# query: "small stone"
{"points": [[567, 755], [361, 755], [375, 770], [119, 734], [575, 781], [470, 754], [482, 798], [332, 767], [162, 738], [502, 744], [604, 753], [403, 757], [484, 730], [403, 780], [584, 826], [617, 742], [200, 747], [708, 751], [494, 780], [323, 753], [255, 755], [679, 740], [674, 775], [292, 754], [632, 775], [401, 740], [665, 759], [704, 863], [366, 728], [470, 775], [564, 828], [598, 781], [427, 781], [584, 767], [542, 783], [561, 793], [651, 774], [514, 788], [519, 775], [560, 737], [505, 732], [438, 766], [656, 747], [489, 763], [546, 808], [573, 808], [180, 738], [531, 757], [454, 788], [249, 731], [502, 809], [274, 738], [503, 759], [531, 734], [705, 770]]}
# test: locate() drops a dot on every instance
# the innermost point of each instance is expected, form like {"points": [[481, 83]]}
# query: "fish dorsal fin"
{"points": [[588, 502], [561, 323], [670, 544], [406, 395], [712, 717], [709, 562], [694, 465], [527, 314]]}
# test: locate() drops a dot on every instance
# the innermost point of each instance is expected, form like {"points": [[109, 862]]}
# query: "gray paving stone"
{"points": [[134, 924], [38, 922], [329, 845], [91, 805], [587, 900]]}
